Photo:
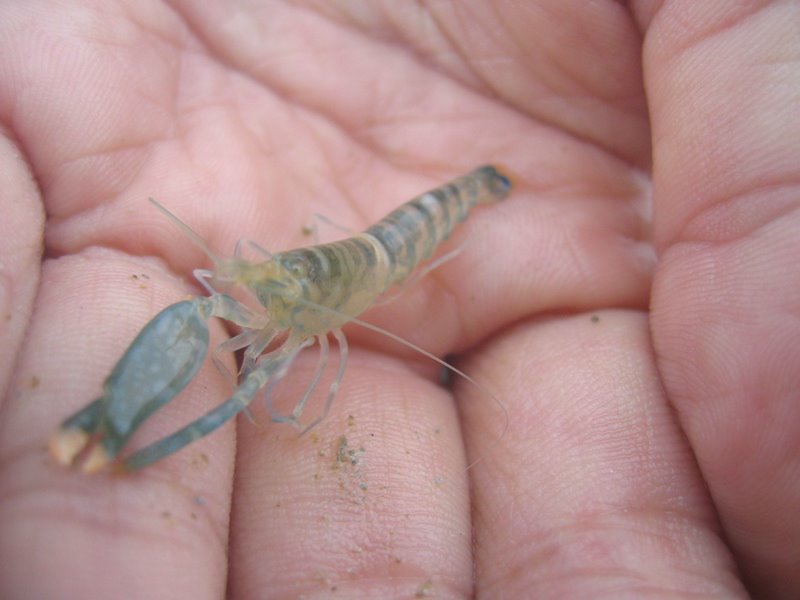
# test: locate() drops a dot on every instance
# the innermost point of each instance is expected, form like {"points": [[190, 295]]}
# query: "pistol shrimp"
{"points": [[306, 294]]}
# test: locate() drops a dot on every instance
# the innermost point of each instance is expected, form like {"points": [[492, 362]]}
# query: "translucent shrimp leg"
{"points": [[159, 363], [322, 362], [245, 339], [231, 345], [254, 350], [342, 341], [320, 218]]}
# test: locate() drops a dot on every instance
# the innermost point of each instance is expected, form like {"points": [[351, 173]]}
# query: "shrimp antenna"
{"points": [[187, 231], [431, 356], [446, 365]]}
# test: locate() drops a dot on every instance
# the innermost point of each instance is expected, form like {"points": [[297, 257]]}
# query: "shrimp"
{"points": [[306, 294]]}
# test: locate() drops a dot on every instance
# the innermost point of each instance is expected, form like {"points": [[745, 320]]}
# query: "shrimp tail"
{"points": [[497, 185]]}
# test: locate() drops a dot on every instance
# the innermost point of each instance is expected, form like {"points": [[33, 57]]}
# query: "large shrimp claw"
{"points": [[159, 363]]}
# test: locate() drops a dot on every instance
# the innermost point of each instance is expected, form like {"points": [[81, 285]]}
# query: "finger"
{"points": [[592, 491], [373, 502], [105, 533], [723, 83], [20, 249]]}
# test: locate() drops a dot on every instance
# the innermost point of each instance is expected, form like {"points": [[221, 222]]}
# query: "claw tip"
{"points": [[96, 460], [66, 444]]}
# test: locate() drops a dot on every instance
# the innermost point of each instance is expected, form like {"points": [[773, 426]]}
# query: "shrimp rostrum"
{"points": [[306, 294]]}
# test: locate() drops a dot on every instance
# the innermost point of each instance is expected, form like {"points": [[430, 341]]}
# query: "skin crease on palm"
{"points": [[635, 304]]}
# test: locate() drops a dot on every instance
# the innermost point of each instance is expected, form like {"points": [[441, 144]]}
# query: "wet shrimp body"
{"points": [[307, 294]]}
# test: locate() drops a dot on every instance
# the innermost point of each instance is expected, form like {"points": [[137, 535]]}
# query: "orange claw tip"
{"points": [[96, 460], [66, 444]]}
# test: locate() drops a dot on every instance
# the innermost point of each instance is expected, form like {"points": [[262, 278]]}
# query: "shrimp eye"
{"points": [[296, 269]]}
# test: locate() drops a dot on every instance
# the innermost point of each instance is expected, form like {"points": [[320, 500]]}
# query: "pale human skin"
{"points": [[634, 304]]}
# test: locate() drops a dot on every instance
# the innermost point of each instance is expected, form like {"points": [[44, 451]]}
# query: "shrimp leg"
{"points": [[341, 340], [254, 350], [322, 362], [324, 352], [234, 344]]}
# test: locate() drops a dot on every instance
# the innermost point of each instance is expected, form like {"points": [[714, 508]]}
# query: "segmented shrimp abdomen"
{"points": [[411, 233]]}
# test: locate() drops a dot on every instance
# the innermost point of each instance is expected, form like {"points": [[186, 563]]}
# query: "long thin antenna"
{"points": [[187, 231], [446, 365]]}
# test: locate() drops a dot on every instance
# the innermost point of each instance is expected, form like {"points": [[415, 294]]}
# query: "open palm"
{"points": [[634, 305]]}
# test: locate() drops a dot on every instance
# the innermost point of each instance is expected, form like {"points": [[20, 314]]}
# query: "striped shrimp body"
{"points": [[306, 294]]}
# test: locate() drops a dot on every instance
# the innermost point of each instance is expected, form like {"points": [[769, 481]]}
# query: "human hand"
{"points": [[652, 436]]}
